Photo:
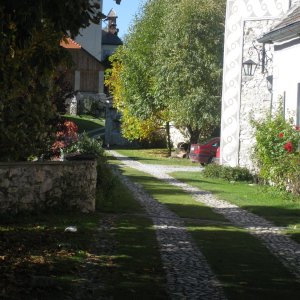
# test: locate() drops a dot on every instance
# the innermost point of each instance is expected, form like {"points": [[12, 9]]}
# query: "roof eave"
{"points": [[281, 34]]}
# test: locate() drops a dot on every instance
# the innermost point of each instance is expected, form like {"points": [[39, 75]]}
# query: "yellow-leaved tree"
{"points": [[133, 128]]}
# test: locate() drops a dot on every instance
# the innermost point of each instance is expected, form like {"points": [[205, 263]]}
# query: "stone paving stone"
{"points": [[188, 274], [285, 249]]}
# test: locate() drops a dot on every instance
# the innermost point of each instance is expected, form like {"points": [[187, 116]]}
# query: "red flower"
{"points": [[281, 135], [66, 134], [70, 127], [58, 145], [70, 131], [297, 127], [59, 134], [288, 147]]}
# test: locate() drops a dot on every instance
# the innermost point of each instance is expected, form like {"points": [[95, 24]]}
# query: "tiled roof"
{"points": [[292, 17], [110, 39], [69, 43], [286, 28]]}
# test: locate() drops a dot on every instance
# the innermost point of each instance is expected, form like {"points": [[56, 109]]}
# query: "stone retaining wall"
{"points": [[32, 186]]}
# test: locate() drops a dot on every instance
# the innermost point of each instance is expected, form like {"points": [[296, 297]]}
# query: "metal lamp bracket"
{"points": [[263, 58]]}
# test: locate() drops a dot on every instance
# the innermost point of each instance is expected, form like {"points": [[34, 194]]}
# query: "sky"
{"points": [[125, 12]]}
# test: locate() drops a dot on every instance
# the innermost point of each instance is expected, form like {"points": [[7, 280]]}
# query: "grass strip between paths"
{"points": [[261, 200], [246, 269]]}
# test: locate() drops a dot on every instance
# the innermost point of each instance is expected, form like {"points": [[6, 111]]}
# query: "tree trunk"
{"points": [[194, 135], [169, 147]]}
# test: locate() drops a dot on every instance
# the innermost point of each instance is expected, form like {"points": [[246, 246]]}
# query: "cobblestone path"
{"points": [[285, 249], [188, 274]]}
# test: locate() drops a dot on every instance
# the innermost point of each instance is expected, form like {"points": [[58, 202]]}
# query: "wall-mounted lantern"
{"points": [[259, 52], [249, 67]]}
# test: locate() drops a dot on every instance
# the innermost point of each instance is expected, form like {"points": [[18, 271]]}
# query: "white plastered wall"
{"points": [[90, 38], [237, 12], [286, 76]]}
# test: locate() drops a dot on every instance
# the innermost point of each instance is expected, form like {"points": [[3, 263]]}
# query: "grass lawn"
{"points": [[138, 273], [265, 201], [86, 123], [244, 266], [261, 200], [39, 260], [155, 156]]}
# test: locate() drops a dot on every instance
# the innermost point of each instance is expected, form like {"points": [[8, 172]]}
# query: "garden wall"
{"points": [[32, 186]]}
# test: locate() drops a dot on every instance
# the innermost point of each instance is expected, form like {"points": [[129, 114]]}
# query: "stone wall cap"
{"points": [[44, 163]]}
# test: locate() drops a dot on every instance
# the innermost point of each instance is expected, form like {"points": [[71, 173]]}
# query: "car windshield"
{"points": [[210, 140]]}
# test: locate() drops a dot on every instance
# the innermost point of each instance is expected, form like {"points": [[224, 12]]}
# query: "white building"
{"points": [[95, 41], [90, 38], [286, 62], [257, 31]]}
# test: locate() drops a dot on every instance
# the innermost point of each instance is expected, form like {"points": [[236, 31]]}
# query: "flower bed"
{"points": [[277, 151]]}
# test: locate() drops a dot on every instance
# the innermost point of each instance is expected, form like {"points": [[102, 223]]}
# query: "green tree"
{"points": [[141, 108], [29, 58], [138, 59], [188, 60], [172, 62]]}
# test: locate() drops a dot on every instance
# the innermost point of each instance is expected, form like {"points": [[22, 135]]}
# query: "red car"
{"points": [[216, 159], [204, 153]]}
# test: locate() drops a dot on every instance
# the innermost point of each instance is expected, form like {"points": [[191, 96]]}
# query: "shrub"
{"points": [[69, 142], [276, 151], [236, 174], [212, 171], [67, 133], [227, 173], [85, 145], [156, 139]]}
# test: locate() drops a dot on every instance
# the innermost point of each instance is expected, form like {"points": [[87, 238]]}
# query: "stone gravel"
{"points": [[180, 255]]}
